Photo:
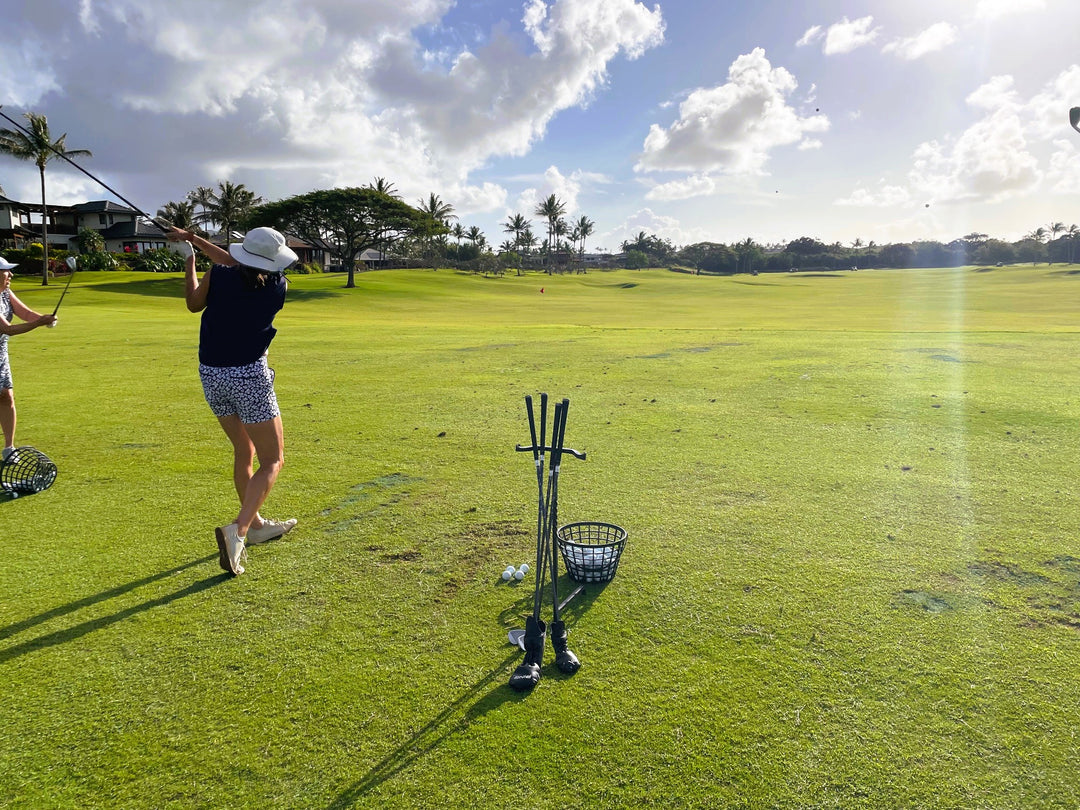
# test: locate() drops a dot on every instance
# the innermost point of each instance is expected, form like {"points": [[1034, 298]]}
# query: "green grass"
{"points": [[852, 577]]}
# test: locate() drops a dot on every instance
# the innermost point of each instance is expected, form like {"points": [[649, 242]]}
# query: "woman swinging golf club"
{"points": [[239, 297], [11, 307]]}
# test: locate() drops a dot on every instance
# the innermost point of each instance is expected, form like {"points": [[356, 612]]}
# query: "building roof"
{"points": [[133, 230], [102, 206]]}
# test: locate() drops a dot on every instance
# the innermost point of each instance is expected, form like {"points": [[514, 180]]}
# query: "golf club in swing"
{"points": [[72, 265], [160, 222], [1074, 118]]}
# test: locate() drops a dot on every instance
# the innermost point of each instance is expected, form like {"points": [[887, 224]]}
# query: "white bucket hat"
{"points": [[6, 265], [263, 249]]}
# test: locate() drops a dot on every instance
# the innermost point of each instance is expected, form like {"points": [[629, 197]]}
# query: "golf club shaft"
{"points": [[64, 292], [156, 220], [539, 462], [558, 435]]}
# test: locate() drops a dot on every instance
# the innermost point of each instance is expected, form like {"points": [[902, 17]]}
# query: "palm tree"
{"points": [[584, 228], [516, 225], [231, 203], [202, 196], [474, 235], [1072, 233], [552, 210], [438, 210], [1039, 234], [36, 144], [180, 214], [748, 250], [528, 240], [458, 232], [384, 186]]}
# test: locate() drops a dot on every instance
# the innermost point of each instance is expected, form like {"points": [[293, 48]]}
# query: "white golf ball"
{"points": [[524, 568], [519, 575], [506, 575]]}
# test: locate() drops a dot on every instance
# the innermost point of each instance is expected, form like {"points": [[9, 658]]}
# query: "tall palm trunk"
{"points": [[44, 232]]}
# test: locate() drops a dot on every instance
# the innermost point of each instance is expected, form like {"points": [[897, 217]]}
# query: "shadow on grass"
{"points": [[166, 287], [456, 717], [172, 287], [80, 630], [488, 693]]}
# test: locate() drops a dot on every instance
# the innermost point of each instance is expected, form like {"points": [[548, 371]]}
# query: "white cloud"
{"points": [[813, 33], [321, 93], [998, 92], [847, 35], [1064, 172], [731, 128], [554, 182], [650, 222], [935, 38], [25, 74], [885, 197], [993, 9], [990, 161], [696, 185]]}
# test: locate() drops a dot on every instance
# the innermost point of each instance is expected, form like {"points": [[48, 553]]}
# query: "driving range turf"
{"points": [[852, 577]]}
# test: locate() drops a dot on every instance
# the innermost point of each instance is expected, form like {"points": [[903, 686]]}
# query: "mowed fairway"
{"points": [[852, 576]]}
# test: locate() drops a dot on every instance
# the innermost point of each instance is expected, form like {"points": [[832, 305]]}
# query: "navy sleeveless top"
{"points": [[238, 322]]}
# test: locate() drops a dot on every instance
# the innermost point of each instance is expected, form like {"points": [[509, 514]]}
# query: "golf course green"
{"points": [[852, 578]]}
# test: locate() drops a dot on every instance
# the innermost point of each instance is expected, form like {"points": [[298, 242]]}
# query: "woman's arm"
{"points": [[32, 320], [195, 292], [212, 251]]}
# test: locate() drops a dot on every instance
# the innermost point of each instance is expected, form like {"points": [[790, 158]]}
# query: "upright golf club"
{"points": [[72, 265], [528, 673], [565, 660], [159, 221]]}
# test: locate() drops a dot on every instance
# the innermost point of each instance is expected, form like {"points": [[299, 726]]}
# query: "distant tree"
{"points": [[37, 146], [384, 186], [230, 205], [748, 253], [896, 255], [658, 249], [180, 214], [994, 251], [636, 259], [804, 248], [551, 209], [708, 257], [202, 196], [516, 225], [1030, 249], [584, 229], [345, 221]]}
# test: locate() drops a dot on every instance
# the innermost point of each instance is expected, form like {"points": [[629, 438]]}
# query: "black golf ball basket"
{"points": [[25, 472], [591, 551]]}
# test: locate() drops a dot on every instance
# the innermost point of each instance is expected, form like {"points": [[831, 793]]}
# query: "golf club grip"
{"points": [[532, 428], [543, 422]]}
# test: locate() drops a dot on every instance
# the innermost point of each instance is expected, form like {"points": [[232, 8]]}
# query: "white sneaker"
{"points": [[231, 550], [8, 454], [270, 530]]}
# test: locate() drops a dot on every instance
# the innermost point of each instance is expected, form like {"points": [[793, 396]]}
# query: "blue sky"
{"points": [[693, 120]]}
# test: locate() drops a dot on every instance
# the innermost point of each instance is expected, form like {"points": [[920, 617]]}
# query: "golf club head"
{"points": [[1074, 118], [517, 637], [71, 262]]}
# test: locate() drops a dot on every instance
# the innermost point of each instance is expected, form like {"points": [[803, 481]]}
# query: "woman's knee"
{"points": [[7, 397]]}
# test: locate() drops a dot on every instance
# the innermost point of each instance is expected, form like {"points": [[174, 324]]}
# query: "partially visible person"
{"points": [[11, 307], [239, 297]]}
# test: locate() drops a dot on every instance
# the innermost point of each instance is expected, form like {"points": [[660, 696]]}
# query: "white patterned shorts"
{"points": [[5, 368], [244, 391]]}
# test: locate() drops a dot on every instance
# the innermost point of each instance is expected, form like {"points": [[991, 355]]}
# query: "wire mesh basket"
{"points": [[26, 471], [591, 551]]}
